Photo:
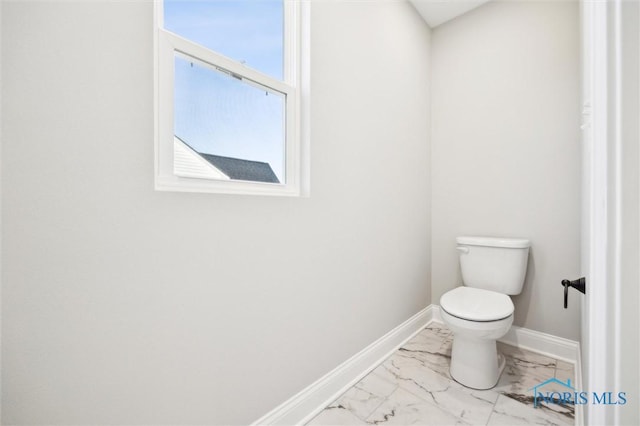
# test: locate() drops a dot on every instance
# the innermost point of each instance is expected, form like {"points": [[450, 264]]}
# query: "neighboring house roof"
{"points": [[191, 163], [238, 169]]}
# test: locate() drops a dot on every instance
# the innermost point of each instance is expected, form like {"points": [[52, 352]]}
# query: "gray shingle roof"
{"points": [[239, 169], [235, 168]]}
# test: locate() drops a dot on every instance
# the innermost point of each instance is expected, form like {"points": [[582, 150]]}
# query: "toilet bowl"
{"points": [[481, 311], [476, 326]]}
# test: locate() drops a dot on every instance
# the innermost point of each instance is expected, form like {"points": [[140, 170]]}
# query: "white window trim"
{"points": [[295, 87]]}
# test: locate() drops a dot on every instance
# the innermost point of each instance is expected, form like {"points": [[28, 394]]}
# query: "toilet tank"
{"points": [[497, 264]]}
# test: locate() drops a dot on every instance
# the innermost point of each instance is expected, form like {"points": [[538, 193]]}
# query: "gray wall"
{"points": [[125, 305], [505, 147], [630, 203]]}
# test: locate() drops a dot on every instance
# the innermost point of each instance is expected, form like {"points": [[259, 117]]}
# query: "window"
{"points": [[231, 94]]}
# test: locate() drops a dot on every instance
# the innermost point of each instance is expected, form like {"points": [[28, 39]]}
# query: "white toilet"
{"points": [[480, 312]]}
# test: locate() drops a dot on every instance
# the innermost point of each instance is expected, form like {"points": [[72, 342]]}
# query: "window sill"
{"points": [[178, 184]]}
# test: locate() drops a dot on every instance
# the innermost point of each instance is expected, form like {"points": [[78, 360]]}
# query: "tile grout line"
{"points": [[379, 405], [370, 413], [493, 408]]}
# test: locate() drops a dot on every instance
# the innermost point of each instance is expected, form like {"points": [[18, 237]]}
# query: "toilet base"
{"points": [[475, 363]]}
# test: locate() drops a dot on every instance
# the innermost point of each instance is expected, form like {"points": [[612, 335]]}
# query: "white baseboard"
{"points": [[543, 343], [303, 406], [535, 341]]}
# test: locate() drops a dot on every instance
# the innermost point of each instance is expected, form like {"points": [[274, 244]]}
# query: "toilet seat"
{"points": [[475, 304]]}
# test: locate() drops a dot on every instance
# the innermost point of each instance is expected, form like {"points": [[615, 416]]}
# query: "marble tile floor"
{"points": [[413, 387]]}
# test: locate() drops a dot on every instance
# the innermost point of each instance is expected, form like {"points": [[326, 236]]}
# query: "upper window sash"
{"points": [[171, 44]]}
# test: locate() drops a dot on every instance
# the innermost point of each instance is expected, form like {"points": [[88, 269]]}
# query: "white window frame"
{"points": [[295, 87]]}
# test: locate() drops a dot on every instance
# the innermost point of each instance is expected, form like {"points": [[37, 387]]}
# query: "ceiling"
{"points": [[436, 12]]}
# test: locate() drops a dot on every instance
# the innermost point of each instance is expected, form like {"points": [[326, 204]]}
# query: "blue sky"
{"points": [[218, 114]]}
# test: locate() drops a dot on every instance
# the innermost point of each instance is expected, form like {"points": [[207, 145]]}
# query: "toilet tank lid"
{"points": [[494, 242]]}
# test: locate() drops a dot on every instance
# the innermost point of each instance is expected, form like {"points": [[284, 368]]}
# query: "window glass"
{"points": [[248, 31], [236, 125]]}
